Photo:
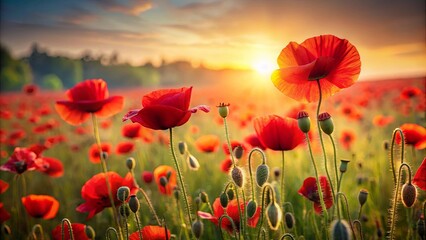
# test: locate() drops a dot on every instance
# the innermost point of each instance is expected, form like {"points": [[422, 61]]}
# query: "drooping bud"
{"points": [[134, 203], [289, 220], [274, 215], [90, 232], [223, 200], [197, 228], [326, 123], [168, 174], [304, 121], [183, 148], [204, 197], [362, 197], [130, 163], [238, 176], [163, 181], [176, 193], [197, 201], [223, 110], [123, 193], [408, 195], [193, 163], [251, 208], [343, 165], [340, 230], [238, 152], [124, 210], [230, 194], [262, 174]]}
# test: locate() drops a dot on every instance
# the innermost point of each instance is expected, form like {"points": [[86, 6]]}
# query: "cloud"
{"points": [[131, 7]]}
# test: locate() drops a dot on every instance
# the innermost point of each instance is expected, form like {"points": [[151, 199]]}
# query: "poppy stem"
{"points": [[256, 149], [401, 134], [37, 229], [68, 222], [282, 177], [229, 142], [138, 225], [225, 215], [185, 196], [342, 195], [266, 187], [105, 171]]}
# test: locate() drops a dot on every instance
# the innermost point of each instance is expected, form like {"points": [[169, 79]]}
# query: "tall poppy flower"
{"points": [[41, 206], [94, 155], [124, 147], [414, 134], [277, 133], [332, 61], [90, 96], [22, 160], [52, 167], [95, 192], [207, 143], [347, 137], [135, 130], [232, 211], [78, 231], [420, 176], [382, 121], [164, 171], [164, 109], [410, 92], [310, 191], [152, 233]]}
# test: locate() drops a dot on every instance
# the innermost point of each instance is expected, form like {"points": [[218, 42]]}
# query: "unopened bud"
{"points": [[90, 232], [134, 203], [274, 215], [197, 228], [238, 176], [193, 163], [386, 145], [277, 172], [168, 175], [182, 147], [223, 110], [326, 123], [238, 152], [124, 210], [304, 121], [130, 163], [343, 165], [123, 193], [340, 230], [223, 200], [262, 174], [362, 196], [163, 181], [204, 197], [197, 201], [104, 155], [230, 194], [408, 195], [289, 220], [251, 208], [176, 193]]}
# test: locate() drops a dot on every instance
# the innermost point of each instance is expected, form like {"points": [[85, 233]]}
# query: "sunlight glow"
{"points": [[264, 66]]}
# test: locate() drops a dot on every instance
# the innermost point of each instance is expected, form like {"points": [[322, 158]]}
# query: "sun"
{"points": [[264, 66]]}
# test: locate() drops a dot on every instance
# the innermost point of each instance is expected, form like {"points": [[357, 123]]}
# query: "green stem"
{"points": [[266, 187], [114, 232], [185, 196], [182, 219], [38, 228], [335, 161], [67, 221], [225, 215], [359, 227], [256, 149], [287, 235], [339, 194], [401, 134], [282, 178], [229, 142], [138, 224]]}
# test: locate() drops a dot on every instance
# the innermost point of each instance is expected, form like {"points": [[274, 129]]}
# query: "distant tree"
{"points": [[52, 82], [13, 73]]}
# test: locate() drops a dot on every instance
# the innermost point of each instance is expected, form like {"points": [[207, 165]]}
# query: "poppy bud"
{"points": [[123, 193], [362, 196], [197, 228], [238, 152], [197, 201], [277, 172], [223, 110], [124, 210], [421, 228], [204, 197], [163, 181], [147, 176], [304, 121], [193, 163], [223, 200], [289, 220], [176, 194], [262, 174], [238, 176], [273, 214], [230, 194], [5, 229], [386, 145], [168, 174], [134, 203], [182, 147], [340, 230], [104, 155], [343, 165], [326, 123], [130, 163], [251, 208], [90, 232], [408, 195]]}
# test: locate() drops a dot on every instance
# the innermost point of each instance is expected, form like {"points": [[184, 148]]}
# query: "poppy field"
{"points": [[312, 152]]}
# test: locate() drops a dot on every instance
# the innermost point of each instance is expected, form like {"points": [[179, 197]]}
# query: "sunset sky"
{"points": [[390, 35]]}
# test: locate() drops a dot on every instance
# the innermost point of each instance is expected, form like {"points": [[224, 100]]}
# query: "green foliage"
{"points": [[52, 82], [14, 73]]}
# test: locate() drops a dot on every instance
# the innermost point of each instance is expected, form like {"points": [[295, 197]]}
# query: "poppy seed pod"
{"points": [[230, 194], [123, 193], [238, 152], [223, 200], [303, 121], [273, 214], [197, 228], [340, 230], [183, 148], [90, 232], [223, 110], [134, 203], [289, 220], [362, 196], [251, 208], [343, 165], [130, 163], [124, 210], [262, 174], [326, 123], [238, 176], [408, 195], [163, 181]]}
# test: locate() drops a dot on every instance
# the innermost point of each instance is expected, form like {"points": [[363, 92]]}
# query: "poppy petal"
{"points": [[112, 106], [203, 108], [420, 176], [161, 117], [178, 98], [70, 112]]}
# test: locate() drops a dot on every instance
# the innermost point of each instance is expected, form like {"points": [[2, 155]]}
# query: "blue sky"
{"points": [[390, 35]]}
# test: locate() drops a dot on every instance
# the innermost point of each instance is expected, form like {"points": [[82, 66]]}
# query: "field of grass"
{"points": [[367, 113]]}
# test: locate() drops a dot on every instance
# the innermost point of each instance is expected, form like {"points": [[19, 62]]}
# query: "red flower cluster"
{"points": [[78, 231], [152, 233], [207, 143], [41, 206], [310, 191], [170, 174]]}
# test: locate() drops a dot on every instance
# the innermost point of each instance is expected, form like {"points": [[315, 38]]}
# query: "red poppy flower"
{"points": [[382, 121], [151, 233], [226, 165], [4, 214], [105, 124], [207, 143], [3, 186], [95, 192], [94, 155], [277, 133], [310, 191], [410, 92], [22, 160], [163, 171], [232, 211], [164, 109], [420, 177], [147, 176], [135, 130], [52, 167], [41, 206], [234, 144], [124, 147], [334, 62], [90, 96], [30, 89], [254, 141], [346, 139], [414, 135], [78, 231]]}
